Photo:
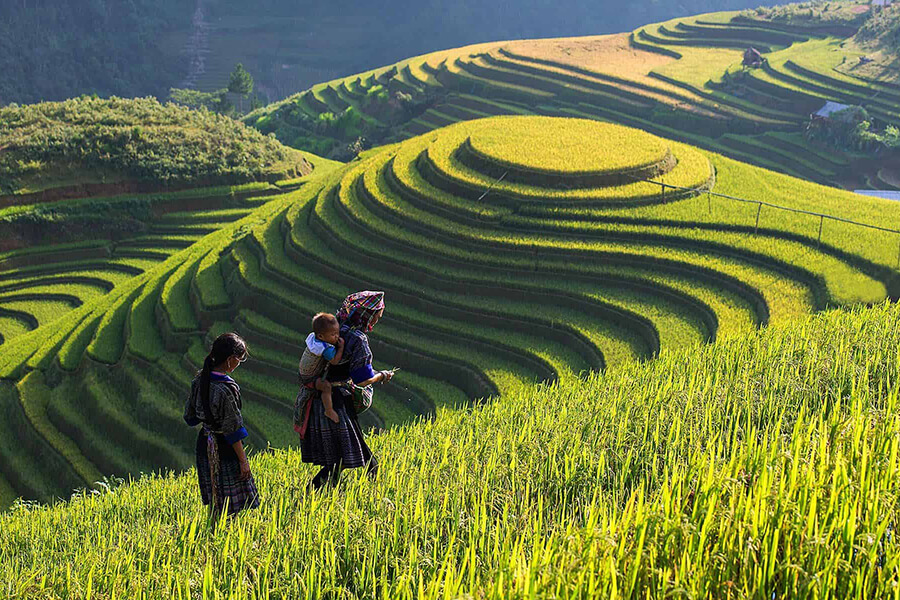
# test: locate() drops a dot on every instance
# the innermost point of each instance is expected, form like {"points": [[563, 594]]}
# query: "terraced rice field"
{"points": [[676, 79], [513, 250]]}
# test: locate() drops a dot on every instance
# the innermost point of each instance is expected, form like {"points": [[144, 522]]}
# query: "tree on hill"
{"points": [[241, 83]]}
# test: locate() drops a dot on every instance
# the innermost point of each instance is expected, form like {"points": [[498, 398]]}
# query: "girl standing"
{"points": [[223, 470]]}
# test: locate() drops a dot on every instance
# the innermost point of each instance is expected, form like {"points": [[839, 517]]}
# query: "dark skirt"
{"points": [[328, 443], [239, 494]]}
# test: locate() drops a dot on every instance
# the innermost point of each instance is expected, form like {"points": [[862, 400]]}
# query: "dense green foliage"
{"points": [[58, 49], [762, 467], [851, 129], [882, 30], [134, 139], [852, 13]]}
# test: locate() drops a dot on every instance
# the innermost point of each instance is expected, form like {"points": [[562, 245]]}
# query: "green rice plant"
{"points": [[90, 281], [44, 311], [109, 267], [591, 324], [171, 366], [182, 240], [72, 350], [34, 397], [225, 215], [665, 211], [514, 341], [36, 251], [692, 171], [488, 66], [796, 143], [208, 283], [108, 343], [18, 452], [175, 298], [566, 146], [73, 291], [484, 299], [783, 296], [11, 327], [813, 169], [501, 89], [98, 437], [72, 334], [732, 310], [713, 472], [155, 408], [145, 340], [504, 374], [469, 269], [454, 280]]}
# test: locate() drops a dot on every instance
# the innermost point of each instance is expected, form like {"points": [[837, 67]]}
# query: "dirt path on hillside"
{"points": [[197, 47]]}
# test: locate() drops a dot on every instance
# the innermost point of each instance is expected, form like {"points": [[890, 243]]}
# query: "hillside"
{"points": [[761, 467], [51, 50], [681, 79], [46, 149], [879, 37], [563, 267]]}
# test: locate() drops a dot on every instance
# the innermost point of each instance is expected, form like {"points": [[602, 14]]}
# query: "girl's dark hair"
{"points": [[225, 346]]}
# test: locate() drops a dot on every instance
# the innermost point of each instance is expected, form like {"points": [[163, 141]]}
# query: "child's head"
{"points": [[326, 327]]}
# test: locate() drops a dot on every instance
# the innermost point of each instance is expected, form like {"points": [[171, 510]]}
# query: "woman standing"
{"points": [[223, 470], [338, 446]]}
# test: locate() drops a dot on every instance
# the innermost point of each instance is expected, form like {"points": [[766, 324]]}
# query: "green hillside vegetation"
{"points": [[56, 49], [503, 268], [90, 140], [766, 465], [879, 37], [682, 79], [814, 13]]}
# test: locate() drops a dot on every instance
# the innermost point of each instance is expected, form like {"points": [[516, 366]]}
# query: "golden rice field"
{"points": [[766, 465], [569, 146], [498, 280], [617, 379]]}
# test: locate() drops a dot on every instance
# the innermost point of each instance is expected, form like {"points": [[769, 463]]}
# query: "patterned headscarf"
{"points": [[359, 308]]}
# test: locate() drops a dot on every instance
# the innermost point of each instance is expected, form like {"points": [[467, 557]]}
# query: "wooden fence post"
{"points": [[898, 257], [758, 210], [821, 222]]}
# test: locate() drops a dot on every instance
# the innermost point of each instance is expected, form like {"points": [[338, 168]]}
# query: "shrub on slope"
{"points": [[138, 139], [765, 467]]}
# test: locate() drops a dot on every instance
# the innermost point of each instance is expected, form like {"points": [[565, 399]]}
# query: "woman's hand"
{"points": [[386, 376], [245, 469], [242, 459]]}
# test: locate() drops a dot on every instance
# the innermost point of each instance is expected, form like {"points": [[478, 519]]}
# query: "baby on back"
{"points": [[324, 346]]}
